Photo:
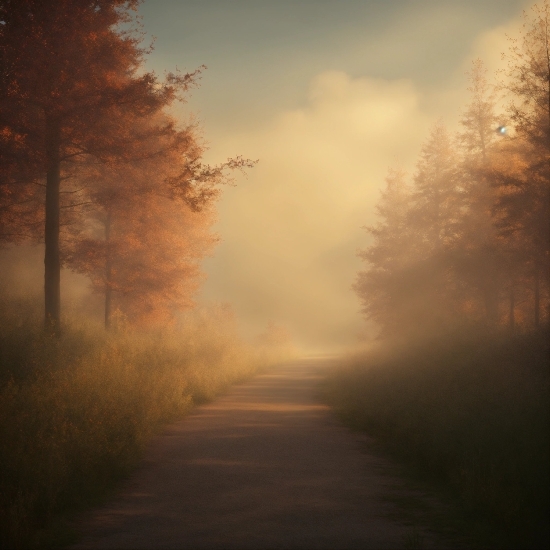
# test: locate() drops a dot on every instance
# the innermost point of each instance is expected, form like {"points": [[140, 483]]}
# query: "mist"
{"points": [[325, 119], [292, 229], [267, 265]]}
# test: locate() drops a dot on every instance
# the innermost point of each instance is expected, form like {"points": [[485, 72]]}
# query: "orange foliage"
{"points": [[69, 78], [146, 224], [87, 151]]}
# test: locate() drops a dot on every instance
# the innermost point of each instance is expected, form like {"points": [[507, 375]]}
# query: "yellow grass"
{"points": [[75, 414]]}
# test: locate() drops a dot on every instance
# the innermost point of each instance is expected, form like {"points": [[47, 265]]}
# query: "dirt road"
{"points": [[265, 466]]}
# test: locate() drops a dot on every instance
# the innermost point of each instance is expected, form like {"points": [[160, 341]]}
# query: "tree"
{"points": [[143, 252], [436, 198], [477, 251], [379, 286], [147, 221], [434, 218], [523, 208], [21, 188], [479, 121], [478, 217], [68, 71], [410, 284]]}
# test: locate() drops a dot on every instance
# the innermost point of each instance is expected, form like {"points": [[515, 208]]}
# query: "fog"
{"points": [[326, 101], [286, 213], [291, 229]]}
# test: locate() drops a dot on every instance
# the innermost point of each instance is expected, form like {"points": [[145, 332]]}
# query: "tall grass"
{"points": [[471, 412], [76, 413]]}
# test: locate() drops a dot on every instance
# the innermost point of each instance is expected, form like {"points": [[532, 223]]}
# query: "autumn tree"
{"points": [[478, 255], [523, 207], [147, 219], [68, 71], [21, 184], [379, 286], [142, 248]]}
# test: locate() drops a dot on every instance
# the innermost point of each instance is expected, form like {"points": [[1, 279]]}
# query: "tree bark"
{"points": [[537, 296], [512, 318], [108, 274], [490, 296], [52, 263]]}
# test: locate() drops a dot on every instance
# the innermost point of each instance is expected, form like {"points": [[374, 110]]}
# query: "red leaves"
{"points": [[135, 197]]}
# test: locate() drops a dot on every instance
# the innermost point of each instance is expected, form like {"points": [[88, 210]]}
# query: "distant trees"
{"points": [[385, 298], [409, 276], [475, 219], [476, 251], [86, 144]]}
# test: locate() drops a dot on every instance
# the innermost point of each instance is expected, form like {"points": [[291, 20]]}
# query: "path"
{"points": [[265, 466]]}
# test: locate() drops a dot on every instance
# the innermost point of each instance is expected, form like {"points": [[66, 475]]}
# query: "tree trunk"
{"points": [[537, 297], [52, 263], [490, 296], [512, 318], [108, 274]]}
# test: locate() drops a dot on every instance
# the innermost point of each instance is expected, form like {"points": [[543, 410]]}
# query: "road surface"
{"points": [[264, 466]]}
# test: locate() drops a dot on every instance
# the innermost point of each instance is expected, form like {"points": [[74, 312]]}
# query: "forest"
{"points": [[467, 239], [127, 199], [101, 175], [95, 167], [457, 280]]}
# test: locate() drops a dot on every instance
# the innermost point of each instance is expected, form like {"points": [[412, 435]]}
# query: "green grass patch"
{"points": [[76, 413], [470, 413]]}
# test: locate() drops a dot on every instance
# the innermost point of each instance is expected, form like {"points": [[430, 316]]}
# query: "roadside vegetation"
{"points": [[77, 411], [95, 167], [469, 413], [456, 280]]}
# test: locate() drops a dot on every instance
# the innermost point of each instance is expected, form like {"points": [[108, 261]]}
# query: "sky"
{"points": [[326, 95]]}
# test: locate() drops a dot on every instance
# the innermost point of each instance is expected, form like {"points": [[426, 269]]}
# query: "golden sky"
{"points": [[327, 95]]}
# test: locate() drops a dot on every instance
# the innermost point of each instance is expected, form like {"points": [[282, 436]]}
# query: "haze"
{"points": [[326, 95], [281, 280]]}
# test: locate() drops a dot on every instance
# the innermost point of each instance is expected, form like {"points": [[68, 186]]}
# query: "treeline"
{"points": [[466, 240], [93, 164], [457, 280]]}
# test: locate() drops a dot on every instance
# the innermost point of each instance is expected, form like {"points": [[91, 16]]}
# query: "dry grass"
{"points": [[470, 413], [76, 413]]}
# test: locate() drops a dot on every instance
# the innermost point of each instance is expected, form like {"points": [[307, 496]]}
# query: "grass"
{"points": [[469, 413], [76, 413]]}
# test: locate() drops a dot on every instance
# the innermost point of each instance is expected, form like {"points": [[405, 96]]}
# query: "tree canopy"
{"points": [[475, 217], [86, 139]]}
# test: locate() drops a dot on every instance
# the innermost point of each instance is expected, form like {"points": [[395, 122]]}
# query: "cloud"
{"points": [[291, 230]]}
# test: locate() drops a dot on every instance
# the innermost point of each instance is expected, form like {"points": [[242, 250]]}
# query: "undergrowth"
{"points": [[469, 412], [77, 412]]}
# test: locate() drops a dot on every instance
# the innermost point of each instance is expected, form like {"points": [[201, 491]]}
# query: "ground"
{"points": [[265, 466]]}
